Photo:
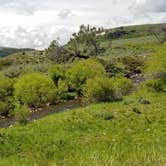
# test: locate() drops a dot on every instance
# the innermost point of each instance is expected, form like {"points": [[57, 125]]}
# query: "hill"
{"points": [[5, 51]]}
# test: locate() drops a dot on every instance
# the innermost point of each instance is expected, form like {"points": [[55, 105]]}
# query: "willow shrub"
{"points": [[56, 72], [21, 113], [6, 86], [35, 89], [82, 70], [100, 90], [123, 85], [104, 89], [6, 90]]}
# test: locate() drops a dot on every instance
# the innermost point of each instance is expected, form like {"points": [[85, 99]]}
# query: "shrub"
{"points": [[21, 113], [13, 71], [6, 86], [133, 64], [100, 90], [62, 89], [113, 66], [83, 70], [34, 89], [4, 107], [56, 72], [6, 90], [38, 67], [123, 84], [155, 85]]}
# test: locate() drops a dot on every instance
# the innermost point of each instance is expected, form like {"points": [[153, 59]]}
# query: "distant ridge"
{"points": [[5, 51]]}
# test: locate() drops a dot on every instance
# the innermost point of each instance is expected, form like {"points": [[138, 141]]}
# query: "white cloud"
{"points": [[35, 23], [64, 13]]}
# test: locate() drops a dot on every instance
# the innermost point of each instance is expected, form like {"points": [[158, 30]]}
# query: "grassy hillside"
{"points": [[125, 86], [5, 51], [15, 64]]}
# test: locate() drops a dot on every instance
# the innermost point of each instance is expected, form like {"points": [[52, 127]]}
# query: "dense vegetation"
{"points": [[121, 72]]}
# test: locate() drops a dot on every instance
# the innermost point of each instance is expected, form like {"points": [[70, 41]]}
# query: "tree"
{"points": [[84, 43], [57, 53], [56, 72]]}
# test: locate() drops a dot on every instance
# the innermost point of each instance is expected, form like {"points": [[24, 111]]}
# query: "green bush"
{"points": [[56, 72], [6, 91], [34, 89], [4, 107], [100, 90], [13, 71], [21, 113], [62, 89], [123, 84], [83, 70], [133, 64], [155, 85], [38, 67], [6, 86]]}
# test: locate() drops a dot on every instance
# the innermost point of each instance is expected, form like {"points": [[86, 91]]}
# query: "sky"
{"points": [[35, 23]]}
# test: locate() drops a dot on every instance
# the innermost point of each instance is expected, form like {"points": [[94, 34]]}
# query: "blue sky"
{"points": [[34, 23]]}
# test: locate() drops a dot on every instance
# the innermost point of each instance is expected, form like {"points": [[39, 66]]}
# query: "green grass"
{"points": [[107, 134], [140, 46]]}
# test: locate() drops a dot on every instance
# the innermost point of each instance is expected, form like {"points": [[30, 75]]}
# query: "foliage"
{"points": [[6, 90], [34, 89], [157, 85], [4, 62], [57, 53], [107, 89], [113, 67], [85, 43], [21, 112], [156, 64], [4, 107], [56, 72], [123, 84], [100, 89], [80, 71], [62, 89], [133, 64], [161, 36], [6, 86]]}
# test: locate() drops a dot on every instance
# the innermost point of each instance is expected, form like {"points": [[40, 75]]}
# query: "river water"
{"points": [[66, 106]]}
